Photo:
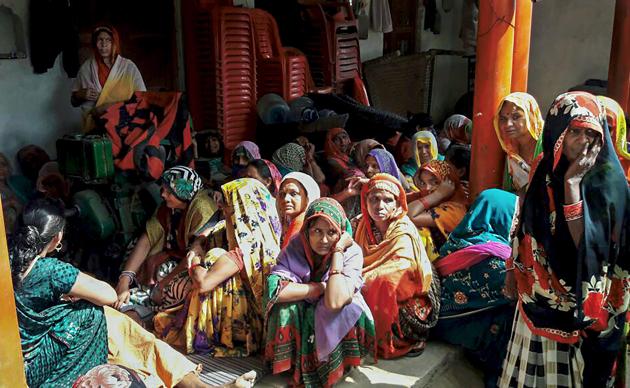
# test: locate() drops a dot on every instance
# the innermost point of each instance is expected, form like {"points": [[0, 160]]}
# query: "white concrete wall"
{"points": [[450, 76], [34, 108], [570, 43]]}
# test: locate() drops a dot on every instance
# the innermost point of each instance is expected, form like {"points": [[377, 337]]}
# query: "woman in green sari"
{"points": [[65, 326], [318, 324]]}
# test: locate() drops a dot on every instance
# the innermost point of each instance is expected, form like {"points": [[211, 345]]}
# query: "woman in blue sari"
{"points": [[474, 312]]}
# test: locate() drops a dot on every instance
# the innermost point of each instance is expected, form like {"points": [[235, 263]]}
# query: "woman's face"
{"points": [[371, 166], [381, 205], [292, 198], [240, 161], [428, 182], [322, 236], [406, 150], [512, 121], [171, 201], [215, 145], [104, 44], [342, 140], [424, 151], [252, 172], [576, 140]]}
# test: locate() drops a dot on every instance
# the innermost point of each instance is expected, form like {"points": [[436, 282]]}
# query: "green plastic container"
{"points": [[87, 157], [96, 219]]}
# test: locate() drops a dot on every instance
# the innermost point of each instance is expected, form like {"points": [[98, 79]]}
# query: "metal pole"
{"points": [[493, 81]]}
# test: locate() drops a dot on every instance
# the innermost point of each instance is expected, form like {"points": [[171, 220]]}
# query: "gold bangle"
{"points": [[334, 272]]}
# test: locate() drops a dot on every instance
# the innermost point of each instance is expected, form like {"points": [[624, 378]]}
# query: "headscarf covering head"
{"points": [[111, 31], [616, 120], [102, 69], [443, 170], [307, 182], [183, 182], [290, 157], [424, 137], [456, 128], [361, 149], [248, 149], [329, 209], [603, 253], [275, 175], [386, 162], [490, 219], [386, 183], [331, 150], [533, 119]]}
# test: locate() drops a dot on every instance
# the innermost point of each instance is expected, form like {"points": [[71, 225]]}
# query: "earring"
{"points": [[58, 246]]}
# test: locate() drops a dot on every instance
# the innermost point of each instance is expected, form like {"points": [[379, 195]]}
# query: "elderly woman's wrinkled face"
{"points": [[512, 121], [342, 140], [104, 44], [424, 151], [171, 201], [577, 140], [381, 205], [292, 198], [322, 236], [371, 166], [427, 182]]}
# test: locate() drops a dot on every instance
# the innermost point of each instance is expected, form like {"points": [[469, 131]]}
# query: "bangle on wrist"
{"points": [[335, 272], [424, 203], [128, 274], [573, 211], [192, 268]]}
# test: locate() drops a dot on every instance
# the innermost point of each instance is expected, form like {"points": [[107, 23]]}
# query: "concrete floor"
{"points": [[440, 366]]}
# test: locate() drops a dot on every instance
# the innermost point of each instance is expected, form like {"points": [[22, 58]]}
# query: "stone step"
{"points": [[440, 366]]}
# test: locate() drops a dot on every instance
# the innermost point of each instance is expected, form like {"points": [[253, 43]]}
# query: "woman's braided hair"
{"points": [[41, 221]]}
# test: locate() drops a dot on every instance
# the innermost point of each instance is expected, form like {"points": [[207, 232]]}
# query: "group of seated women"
{"points": [[315, 272]]}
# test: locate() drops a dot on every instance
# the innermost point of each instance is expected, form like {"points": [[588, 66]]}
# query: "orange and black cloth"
{"points": [[140, 128]]}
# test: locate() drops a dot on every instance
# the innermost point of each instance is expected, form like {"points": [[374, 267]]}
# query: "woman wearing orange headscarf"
{"points": [[399, 284], [439, 205], [518, 124], [337, 150], [106, 78]]}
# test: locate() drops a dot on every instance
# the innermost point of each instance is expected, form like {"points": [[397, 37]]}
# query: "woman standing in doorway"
{"points": [[106, 78]]}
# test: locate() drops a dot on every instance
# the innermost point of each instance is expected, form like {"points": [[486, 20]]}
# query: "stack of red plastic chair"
{"points": [[236, 75], [331, 43], [280, 70]]}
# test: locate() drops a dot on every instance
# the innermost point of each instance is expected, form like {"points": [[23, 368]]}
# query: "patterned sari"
{"points": [[228, 321], [399, 286], [60, 340], [315, 343], [572, 299], [474, 313], [516, 168], [448, 214]]}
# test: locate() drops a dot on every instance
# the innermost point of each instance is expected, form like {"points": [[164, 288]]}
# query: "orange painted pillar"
{"points": [[493, 78], [11, 362], [619, 67], [522, 35]]}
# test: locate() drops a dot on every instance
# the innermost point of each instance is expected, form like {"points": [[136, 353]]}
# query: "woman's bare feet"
{"points": [[245, 381]]}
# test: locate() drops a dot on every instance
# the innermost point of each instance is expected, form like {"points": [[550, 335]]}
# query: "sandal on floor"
{"points": [[416, 351]]}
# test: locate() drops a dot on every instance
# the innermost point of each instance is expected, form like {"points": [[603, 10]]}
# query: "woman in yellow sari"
{"points": [[618, 132], [518, 124], [399, 286], [438, 206], [104, 79], [224, 315]]}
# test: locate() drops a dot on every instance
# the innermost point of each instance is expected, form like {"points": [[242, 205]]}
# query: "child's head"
{"points": [[459, 156]]}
